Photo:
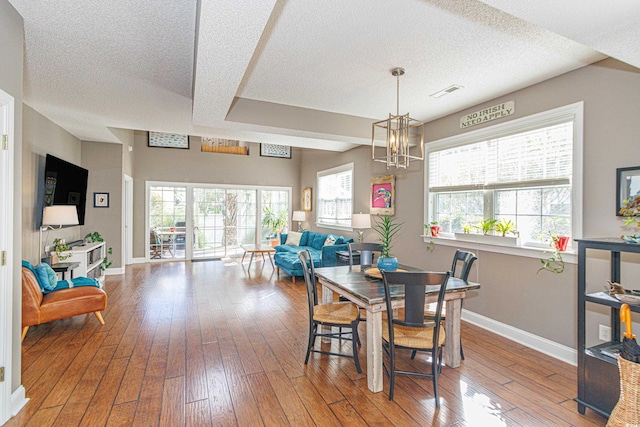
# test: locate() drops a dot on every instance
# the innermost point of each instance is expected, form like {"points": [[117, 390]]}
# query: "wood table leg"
{"points": [[452, 331], [251, 259], [374, 351], [245, 252]]}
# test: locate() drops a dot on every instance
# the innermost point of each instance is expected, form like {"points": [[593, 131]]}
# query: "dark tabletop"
{"points": [[371, 290]]}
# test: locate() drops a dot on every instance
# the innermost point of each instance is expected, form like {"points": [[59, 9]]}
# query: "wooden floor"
{"points": [[212, 343]]}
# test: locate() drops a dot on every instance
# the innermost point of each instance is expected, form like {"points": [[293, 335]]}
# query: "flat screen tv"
{"points": [[65, 184]]}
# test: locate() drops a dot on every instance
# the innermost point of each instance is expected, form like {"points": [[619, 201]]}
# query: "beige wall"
{"points": [[42, 137], [11, 52], [543, 304], [194, 166], [105, 162]]}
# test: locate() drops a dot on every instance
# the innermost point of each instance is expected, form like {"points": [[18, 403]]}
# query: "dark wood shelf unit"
{"points": [[598, 376]]}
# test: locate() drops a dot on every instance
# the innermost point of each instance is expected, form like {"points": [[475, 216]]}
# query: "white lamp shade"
{"points": [[60, 215], [360, 221], [299, 216]]}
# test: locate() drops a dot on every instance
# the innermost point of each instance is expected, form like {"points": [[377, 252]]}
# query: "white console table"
{"points": [[89, 256]]}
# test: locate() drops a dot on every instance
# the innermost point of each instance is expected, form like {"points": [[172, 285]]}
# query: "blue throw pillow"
{"points": [[318, 241], [304, 240], [46, 277], [340, 240]]}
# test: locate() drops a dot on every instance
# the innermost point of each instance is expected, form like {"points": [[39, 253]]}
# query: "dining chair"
{"points": [[460, 268], [409, 329], [155, 245], [343, 315], [366, 252]]}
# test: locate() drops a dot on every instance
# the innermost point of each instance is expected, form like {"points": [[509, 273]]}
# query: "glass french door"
{"points": [[167, 222], [223, 220], [210, 221]]}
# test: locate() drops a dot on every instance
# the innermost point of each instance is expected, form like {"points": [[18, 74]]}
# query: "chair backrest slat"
{"points": [[309, 279], [366, 252], [467, 259], [415, 286]]}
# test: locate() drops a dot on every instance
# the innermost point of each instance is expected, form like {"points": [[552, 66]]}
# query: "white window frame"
{"points": [[326, 172], [573, 112]]}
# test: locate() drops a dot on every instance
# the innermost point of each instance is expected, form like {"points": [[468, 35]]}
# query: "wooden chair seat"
{"points": [[337, 313], [405, 336]]}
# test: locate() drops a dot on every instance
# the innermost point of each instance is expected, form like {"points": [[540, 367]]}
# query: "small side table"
{"points": [[63, 267], [343, 257]]}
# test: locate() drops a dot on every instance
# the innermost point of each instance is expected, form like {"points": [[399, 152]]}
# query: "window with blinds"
{"points": [[520, 173], [335, 196]]}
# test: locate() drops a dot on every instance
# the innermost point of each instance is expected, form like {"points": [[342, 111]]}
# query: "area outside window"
{"points": [[522, 173]]}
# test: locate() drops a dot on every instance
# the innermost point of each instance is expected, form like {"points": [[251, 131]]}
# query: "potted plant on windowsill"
{"points": [[386, 227], [554, 263]]}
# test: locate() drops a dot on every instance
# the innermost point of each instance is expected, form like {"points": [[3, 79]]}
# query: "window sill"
{"points": [[489, 244]]}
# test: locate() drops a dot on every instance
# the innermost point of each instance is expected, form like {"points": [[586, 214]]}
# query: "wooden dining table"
{"points": [[368, 292]]}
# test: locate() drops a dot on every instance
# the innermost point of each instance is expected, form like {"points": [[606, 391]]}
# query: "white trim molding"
{"points": [[18, 400], [543, 345]]}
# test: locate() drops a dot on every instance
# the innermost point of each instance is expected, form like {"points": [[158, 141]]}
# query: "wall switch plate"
{"points": [[604, 333], [47, 249]]}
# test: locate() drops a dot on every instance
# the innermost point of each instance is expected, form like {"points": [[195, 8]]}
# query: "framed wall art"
{"points": [[627, 185], [100, 200], [274, 150], [168, 140], [307, 199], [383, 195]]}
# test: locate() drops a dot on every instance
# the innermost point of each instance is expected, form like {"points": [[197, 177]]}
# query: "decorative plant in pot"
{"points": [[97, 237], [434, 228], [631, 211], [428, 231], [554, 263], [274, 222], [506, 226], [487, 225], [61, 247], [386, 227]]}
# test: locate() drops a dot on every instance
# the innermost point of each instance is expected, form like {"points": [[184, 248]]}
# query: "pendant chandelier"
{"points": [[399, 133]]}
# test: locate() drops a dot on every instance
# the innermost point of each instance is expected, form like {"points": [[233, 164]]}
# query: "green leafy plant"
{"points": [[427, 231], [505, 226], [274, 221], [487, 225], [59, 248], [466, 228], [386, 227], [97, 237], [554, 263], [631, 211]]}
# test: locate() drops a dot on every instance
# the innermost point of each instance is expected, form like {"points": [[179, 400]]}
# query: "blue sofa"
{"points": [[286, 256]]}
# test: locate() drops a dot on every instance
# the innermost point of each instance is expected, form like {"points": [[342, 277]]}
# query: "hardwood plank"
{"points": [[150, 400], [346, 414], [291, 403], [197, 414], [314, 403], [173, 402], [244, 404], [122, 415], [75, 408], [220, 405], [44, 417], [100, 406], [268, 405]]}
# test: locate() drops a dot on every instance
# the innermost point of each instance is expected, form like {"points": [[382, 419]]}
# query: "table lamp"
{"points": [[57, 215], [299, 216], [360, 222]]}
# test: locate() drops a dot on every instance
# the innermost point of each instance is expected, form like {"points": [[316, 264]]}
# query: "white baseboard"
{"points": [[543, 345], [113, 271], [138, 260], [18, 400]]}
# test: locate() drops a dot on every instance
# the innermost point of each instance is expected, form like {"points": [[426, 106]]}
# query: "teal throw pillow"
{"points": [[47, 278]]}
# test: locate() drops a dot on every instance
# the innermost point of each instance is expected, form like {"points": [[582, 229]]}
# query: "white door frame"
{"points": [[128, 220], [7, 118]]}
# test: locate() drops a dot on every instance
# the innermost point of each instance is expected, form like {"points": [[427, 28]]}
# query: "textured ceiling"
{"points": [[298, 72]]}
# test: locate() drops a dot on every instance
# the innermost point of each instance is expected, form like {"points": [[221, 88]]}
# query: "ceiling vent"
{"points": [[446, 91]]}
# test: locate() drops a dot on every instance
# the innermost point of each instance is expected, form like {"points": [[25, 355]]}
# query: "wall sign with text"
{"points": [[487, 114]]}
